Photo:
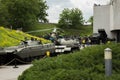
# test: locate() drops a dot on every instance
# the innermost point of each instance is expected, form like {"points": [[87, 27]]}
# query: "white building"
{"points": [[107, 17]]}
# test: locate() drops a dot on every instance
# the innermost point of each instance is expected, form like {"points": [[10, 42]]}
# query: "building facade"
{"points": [[107, 17]]}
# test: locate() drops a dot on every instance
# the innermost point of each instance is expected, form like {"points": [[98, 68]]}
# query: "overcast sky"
{"points": [[86, 6]]}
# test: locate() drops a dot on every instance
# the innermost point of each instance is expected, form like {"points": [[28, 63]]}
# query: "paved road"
{"points": [[10, 73]]}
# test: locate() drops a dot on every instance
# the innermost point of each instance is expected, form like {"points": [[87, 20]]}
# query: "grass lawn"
{"points": [[41, 29], [82, 31], [10, 37]]}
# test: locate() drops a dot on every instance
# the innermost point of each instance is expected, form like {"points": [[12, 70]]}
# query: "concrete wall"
{"points": [[107, 17], [116, 10], [102, 19]]}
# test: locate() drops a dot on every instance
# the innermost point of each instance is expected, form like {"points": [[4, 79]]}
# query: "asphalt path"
{"points": [[11, 73]]}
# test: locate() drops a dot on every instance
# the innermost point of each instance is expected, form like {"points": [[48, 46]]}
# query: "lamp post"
{"points": [[108, 61]]}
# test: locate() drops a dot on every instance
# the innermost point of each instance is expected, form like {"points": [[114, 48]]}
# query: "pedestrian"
{"points": [[83, 42]]}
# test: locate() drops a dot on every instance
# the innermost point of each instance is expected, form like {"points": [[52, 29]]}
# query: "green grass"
{"points": [[6, 40], [87, 64], [10, 37], [80, 30], [40, 26]]}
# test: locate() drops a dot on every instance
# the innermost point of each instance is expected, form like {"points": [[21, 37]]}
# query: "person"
{"points": [[83, 42], [88, 41]]}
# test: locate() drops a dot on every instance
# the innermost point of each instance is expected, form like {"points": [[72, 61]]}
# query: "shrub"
{"points": [[87, 64], [10, 37]]}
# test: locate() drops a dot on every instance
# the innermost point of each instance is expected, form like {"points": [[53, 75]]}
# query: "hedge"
{"points": [[86, 64]]}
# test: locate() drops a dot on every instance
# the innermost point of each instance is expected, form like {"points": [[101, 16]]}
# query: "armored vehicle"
{"points": [[100, 37], [103, 35], [26, 51], [95, 38], [62, 43]]}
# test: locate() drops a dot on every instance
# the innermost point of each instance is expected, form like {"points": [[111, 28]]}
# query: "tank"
{"points": [[64, 43], [69, 42], [26, 51]]}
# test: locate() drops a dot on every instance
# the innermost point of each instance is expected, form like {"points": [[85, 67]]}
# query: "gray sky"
{"points": [[86, 6]]}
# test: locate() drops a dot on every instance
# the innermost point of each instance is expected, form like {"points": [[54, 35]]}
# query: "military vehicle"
{"points": [[100, 37], [26, 51], [67, 45], [64, 44], [103, 35], [33, 49], [95, 38]]}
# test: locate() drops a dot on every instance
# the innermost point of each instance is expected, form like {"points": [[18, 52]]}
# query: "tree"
{"points": [[22, 13], [65, 18], [70, 18], [42, 14], [3, 15], [91, 20]]}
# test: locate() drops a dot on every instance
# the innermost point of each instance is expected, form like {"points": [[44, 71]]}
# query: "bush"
{"points": [[10, 37], [87, 64]]}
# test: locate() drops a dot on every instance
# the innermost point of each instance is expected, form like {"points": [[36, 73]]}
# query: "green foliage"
{"points": [[80, 30], [70, 18], [22, 13], [41, 26], [91, 20], [3, 15], [10, 37], [42, 11], [87, 64]]}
